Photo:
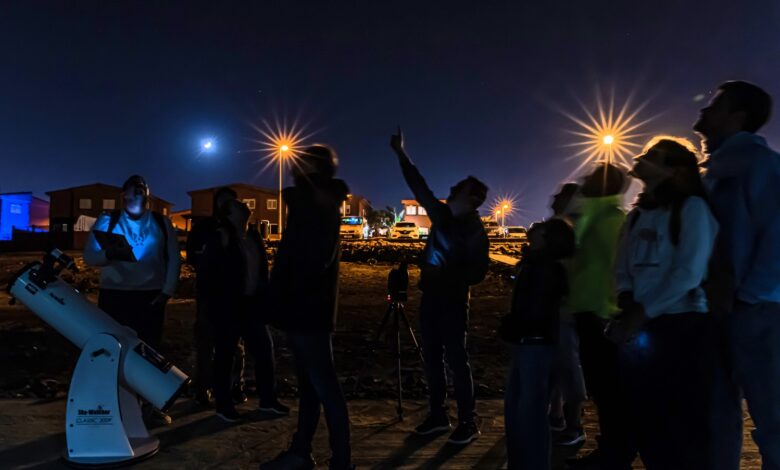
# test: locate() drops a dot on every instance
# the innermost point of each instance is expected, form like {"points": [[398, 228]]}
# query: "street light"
{"points": [[282, 150]]}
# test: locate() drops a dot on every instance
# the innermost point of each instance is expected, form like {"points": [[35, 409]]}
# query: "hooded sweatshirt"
{"points": [[743, 181], [305, 274], [591, 280]]}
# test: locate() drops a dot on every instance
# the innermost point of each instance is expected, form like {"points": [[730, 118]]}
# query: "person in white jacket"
{"points": [[664, 331], [135, 293]]}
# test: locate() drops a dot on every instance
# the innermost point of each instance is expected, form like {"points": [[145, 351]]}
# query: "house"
{"points": [[181, 220], [414, 212], [355, 205], [263, 202], [22, 212], [73, 211]]}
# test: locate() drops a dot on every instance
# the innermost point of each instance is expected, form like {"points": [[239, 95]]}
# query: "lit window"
{"points": [[421, 211], [15, 209], [250, 203], [165, 211], [411, 210], [271, 204], [109, 204], [64, 227], [85, 203], [349, 210]]}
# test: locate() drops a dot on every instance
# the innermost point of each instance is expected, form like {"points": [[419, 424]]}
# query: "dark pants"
{"points": [[669, 371], [443, 325], [204, 351], [228, 330], [525, 407], [754, 333], [135, 310], [600, 366], [319, 387]]}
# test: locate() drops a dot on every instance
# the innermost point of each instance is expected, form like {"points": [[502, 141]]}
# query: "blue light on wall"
{"points": [[14, 213]]}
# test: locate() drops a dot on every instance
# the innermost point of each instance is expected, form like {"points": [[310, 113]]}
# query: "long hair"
{"points": [[680, 155]]}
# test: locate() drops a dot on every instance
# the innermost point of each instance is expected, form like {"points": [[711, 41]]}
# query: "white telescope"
{"points": [[104, 424]]}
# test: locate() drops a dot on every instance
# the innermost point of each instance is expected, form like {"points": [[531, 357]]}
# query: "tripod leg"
{"points": [[383, 325], [397, 329], [411, 332]]}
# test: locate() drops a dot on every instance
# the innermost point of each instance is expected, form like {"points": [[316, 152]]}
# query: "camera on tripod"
{"points": [[398, 283]]}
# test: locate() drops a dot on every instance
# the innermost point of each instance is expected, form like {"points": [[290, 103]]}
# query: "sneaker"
{"points": [[465, 433], [570, 438], [288, 460], [229, 415], [239, 396], [591, 460], [275, 407], [433, 424], [557, 423]]}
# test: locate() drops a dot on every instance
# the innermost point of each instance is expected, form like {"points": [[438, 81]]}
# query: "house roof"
{"points": [[234, 185], [102, 185]]}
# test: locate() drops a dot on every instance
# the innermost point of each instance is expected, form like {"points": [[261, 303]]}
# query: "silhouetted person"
{"points": [[532, 328], [202, 230], [743, 181], [235, 276], [664, 332], [305, 279], [568, 388], [135, 293], [455, 258], [593, 303]]}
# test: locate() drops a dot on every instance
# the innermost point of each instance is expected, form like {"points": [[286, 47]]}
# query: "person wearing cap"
{"points": [[135, 293], [455, 258], [304, 281]]}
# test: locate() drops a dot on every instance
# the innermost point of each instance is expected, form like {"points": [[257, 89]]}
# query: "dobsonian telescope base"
{"points": [[104, 425]]}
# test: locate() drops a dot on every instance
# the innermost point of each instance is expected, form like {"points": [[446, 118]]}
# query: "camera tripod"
{"points": [[395, 315]]}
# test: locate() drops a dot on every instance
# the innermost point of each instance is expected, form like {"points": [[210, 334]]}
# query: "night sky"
{"points": [[98, 91]]}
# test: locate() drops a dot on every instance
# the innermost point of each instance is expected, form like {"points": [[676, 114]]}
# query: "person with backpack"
{"points": [[135, 293], [664, 333], [532, 328], [454, 259], [234, 274], [202, 230]]}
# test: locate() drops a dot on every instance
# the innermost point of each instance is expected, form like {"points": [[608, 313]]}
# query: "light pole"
{"points": [[608, 140], [282, 148], [503, 214]]}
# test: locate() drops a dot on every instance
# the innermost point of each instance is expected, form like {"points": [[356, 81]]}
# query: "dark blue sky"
{"points": [[97, 91]]}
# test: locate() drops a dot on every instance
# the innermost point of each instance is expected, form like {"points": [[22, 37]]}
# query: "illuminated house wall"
{"points": [[356, 205], [22, 211]]}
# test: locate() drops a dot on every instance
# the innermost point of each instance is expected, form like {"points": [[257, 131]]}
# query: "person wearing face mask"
{"points": [[664, 332], [235, 278], [135, 293]]}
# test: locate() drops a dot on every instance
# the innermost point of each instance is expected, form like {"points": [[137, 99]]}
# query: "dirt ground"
{"points": [[36, 362]]}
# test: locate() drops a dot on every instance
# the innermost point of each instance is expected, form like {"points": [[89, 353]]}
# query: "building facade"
{"points": [[73, 211], [263, 202], [22, 212], [355, 206]]}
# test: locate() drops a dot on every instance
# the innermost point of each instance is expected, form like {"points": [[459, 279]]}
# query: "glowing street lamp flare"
{"points": [[607, 135]]}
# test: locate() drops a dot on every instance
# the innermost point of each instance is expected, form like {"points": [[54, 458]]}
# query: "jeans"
{"points": [[134, 309], [600, 366], [754, 334], [443, 324], [669, 371], [228, 330], [568, 387], [525, 407], [319, 387], [204, 352]]}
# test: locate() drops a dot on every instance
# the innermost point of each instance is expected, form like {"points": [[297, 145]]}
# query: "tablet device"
{"points": [[122, 249]]}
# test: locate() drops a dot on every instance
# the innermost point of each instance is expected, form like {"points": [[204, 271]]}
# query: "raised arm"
{"points": [[435, 208]]}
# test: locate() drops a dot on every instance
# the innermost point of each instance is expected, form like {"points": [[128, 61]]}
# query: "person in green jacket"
{"points": [[592, 301]]}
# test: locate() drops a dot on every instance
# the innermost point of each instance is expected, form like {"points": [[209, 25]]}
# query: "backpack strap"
{"points": [[159, 219]]}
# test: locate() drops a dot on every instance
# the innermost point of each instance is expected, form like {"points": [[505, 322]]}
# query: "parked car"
{"points": [[405, 230], [353, 227], [516, 232], [492, 229]]}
